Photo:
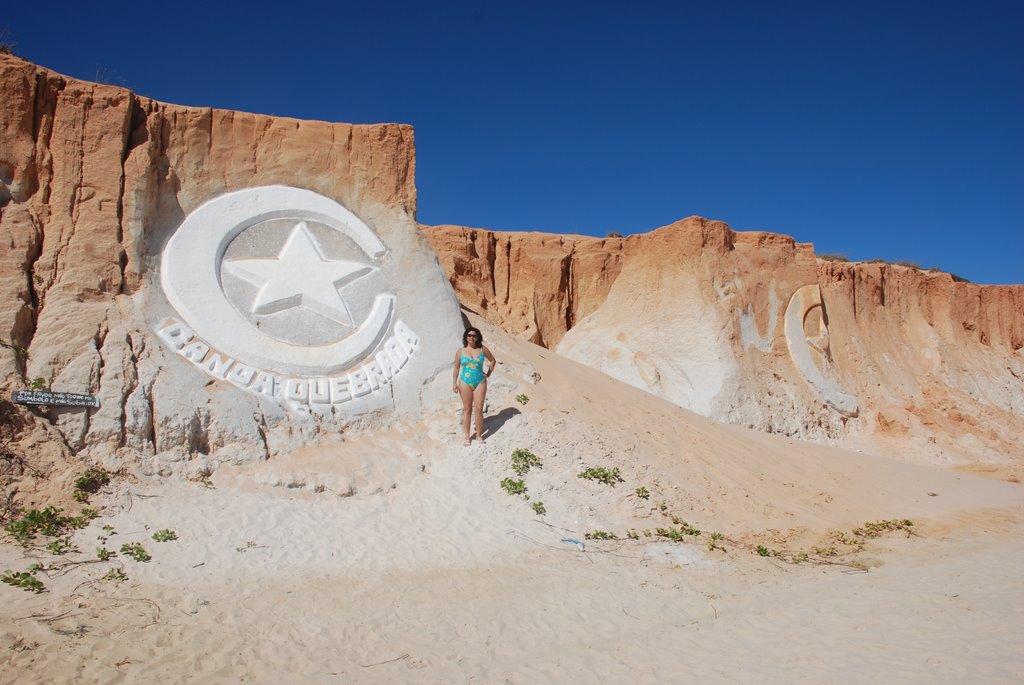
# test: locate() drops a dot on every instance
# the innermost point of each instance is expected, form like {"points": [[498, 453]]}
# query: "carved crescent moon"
{"points": [[190, 276]]}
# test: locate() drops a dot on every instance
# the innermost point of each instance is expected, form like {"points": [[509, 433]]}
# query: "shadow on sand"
{"points": [[493, 423]]}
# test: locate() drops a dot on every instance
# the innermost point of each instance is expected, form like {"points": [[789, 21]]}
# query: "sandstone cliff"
{"points": [[93, 181], [750, 328]]}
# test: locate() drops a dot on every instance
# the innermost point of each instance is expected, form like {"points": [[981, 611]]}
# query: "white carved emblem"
{"points": [[808, 341], [280, 291], [301, 275]]}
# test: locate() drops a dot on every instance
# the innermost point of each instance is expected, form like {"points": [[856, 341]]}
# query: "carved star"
{"points": [[300, 276]]}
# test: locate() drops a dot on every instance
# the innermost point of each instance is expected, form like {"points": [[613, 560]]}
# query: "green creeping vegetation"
{"points": [[714, 542], [116, 575], [833, 257], [60, 546], [48, 522], [523, 460], [23, 579], [601, 475], [20, 353], [685, 527], [840, 543], [51, 522], [513, 487], [136, 551], [600, 535], [857, 537], [35, 522], [522, 399], [39, 383], [89, 483], [677, 534], [874, 529]]}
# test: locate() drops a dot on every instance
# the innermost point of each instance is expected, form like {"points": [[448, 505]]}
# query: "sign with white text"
{"points": [[60, 399]]}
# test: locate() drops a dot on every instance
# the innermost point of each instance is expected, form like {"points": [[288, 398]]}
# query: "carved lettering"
{"points": [[340, 391], [359, 383], [265, 384], [409, 340], [195, 351], [217, 366], [376, 372], [386, 364], [176, 334], [319, 391], [242, 374], [297, 390], [396, 351]]}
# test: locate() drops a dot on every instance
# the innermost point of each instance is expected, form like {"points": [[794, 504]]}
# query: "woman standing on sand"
{"points": [[470, 382]]}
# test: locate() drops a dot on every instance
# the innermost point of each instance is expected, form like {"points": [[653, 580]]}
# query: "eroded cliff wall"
{"points": [[744, 327], [751, 328], [94, 180]]}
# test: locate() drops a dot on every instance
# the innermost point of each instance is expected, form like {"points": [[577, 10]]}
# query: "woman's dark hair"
{"points": [[479, 337]]}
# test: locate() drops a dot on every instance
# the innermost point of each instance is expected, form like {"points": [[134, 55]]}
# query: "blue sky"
{"points": [[888, 130]]}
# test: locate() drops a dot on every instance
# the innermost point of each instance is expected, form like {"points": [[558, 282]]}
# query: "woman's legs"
{"points": [[479, 395], [466, 393]]}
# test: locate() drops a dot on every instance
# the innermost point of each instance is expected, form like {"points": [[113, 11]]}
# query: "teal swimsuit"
{"points": [[472, 371]]}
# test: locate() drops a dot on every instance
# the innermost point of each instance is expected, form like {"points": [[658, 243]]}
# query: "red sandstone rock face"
{"points": [[874, 356], [534, 285], [93, 180], [745, 327], [939, 360]]}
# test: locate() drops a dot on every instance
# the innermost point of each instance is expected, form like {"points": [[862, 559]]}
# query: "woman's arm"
{"points": [[492, 360], [455, 371]]}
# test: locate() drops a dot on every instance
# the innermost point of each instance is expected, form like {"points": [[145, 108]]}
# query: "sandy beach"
{"points": [[395, 556]]}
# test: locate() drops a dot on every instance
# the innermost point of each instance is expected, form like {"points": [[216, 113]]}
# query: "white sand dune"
{"points": [[395, 557]]}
